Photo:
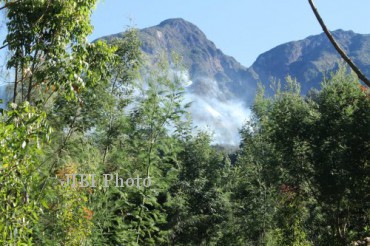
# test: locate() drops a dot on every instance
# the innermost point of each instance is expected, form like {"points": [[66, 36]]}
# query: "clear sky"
{"points": [[240, 28]]}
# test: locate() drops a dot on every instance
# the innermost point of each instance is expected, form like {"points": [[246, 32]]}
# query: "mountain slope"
{"points": [[207, 65], [200, 56]]}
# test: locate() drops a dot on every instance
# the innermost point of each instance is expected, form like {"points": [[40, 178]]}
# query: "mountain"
{"points": [[222, 89], [309, 59]]}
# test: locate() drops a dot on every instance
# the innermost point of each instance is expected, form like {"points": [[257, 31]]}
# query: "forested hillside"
{"points": [[93, 153]]}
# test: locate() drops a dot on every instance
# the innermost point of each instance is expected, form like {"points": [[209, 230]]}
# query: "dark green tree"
{"points": [[202, 209], [313, 153]]}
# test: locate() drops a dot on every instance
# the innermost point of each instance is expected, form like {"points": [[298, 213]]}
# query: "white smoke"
{"points": [[221, 118]]}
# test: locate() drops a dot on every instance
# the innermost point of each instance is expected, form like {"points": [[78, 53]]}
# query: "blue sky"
{"points": [[240, 28]]}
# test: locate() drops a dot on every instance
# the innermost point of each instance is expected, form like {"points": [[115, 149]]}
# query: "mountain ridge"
{"points": [[308, 59]]}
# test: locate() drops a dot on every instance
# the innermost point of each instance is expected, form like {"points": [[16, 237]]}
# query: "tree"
{"points": [[49, 49], [312, 156], [51, 59], [202, 210], [150, 152], [23, 130], [340, 158]]}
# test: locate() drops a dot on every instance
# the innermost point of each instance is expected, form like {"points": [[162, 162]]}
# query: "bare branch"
{"points": [[4, 46], [342, 53], [3, 7]]}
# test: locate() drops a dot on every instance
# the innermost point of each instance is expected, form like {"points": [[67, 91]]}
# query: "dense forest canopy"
{"points": [[301, 175]]}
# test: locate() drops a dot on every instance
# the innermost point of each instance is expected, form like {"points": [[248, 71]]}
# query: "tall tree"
{"points": [[49, 53], [48, 46]]}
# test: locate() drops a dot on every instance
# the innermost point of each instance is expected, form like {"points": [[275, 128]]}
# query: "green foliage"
{"points": [[313, 154], [23, 130], [150, 152], [49, 48], [301, 176], [254, 199], [202, 208], [66, 219], [341, 157]]}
